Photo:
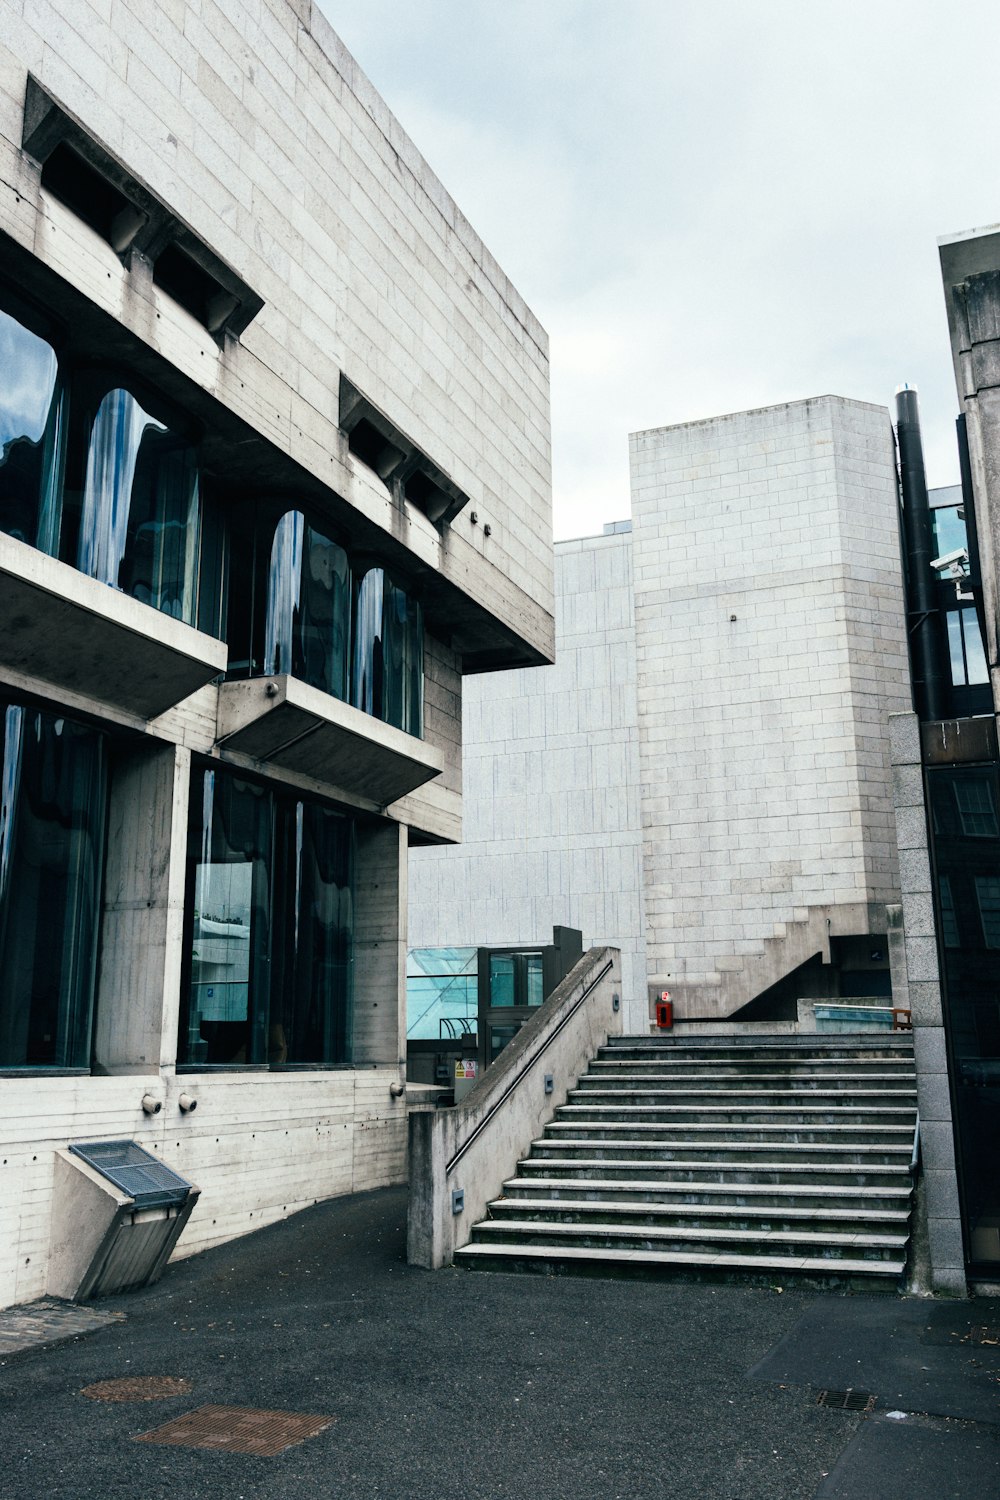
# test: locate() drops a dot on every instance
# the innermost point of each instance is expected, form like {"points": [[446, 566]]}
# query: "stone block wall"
{"points": [[769, 649]]}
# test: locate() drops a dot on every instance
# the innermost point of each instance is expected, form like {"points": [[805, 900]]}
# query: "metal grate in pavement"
{"points": [[849, 1400], [138, 1388], [238, 1429]]}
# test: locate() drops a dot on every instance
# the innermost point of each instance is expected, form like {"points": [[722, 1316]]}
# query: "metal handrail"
{"points": [[551, 1036]]}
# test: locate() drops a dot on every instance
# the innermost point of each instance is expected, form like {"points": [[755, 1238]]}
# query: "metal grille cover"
{"points": [[238, 1429], [151, 1183], [138, 1388]]}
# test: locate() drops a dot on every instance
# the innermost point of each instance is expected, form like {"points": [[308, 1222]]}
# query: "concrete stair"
{"points": [[738, 978], [774, 1157]]}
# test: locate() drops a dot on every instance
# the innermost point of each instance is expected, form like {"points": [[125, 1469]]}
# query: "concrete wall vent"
{"points": [[117, 1213], [80, 170]]}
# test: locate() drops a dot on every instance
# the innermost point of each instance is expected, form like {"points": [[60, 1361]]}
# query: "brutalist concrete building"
{"points": [[702, 779], [274, 474]]}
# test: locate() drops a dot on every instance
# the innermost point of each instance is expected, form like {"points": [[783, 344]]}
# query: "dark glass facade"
{"points": [[32, 435], [308, 624], [388, 661], [89, 475], [269, 927], [104, 477], [964, 811], [53, 799]]}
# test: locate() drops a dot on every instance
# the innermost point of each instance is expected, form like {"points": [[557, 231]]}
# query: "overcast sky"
{"points": [[710, 204]]}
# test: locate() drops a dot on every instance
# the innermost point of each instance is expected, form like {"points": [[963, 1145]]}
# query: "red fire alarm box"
{"points": [[664, 1011]]}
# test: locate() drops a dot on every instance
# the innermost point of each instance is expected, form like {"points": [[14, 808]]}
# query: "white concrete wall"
{"points": [[770, 648], [551, 791]]}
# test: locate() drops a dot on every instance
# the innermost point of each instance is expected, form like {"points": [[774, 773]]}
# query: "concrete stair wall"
{"points": [[741, 977], [772, 1156]]}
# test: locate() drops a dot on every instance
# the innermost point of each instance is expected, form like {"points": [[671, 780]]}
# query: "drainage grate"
{"points": [[238, 1429], [849, 1400], [138, 1388]]}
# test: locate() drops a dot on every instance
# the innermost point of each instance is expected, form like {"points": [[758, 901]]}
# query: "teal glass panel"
{"points": [[533, 978], [502, 979], [949, 530]]}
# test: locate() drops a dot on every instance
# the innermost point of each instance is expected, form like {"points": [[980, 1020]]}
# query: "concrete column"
{"points": [[914, 959], [380, 945], [138, 986]]}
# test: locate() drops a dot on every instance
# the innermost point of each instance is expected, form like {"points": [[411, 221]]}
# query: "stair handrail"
{"points": [[519, 1077], [492, 1128]]}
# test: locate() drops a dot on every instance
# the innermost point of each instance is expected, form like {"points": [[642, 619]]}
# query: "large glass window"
{"points": [[135, 518], [387, 677], [269, 919], [308, 624], [52, 834], [965, 648], [32, 433]]}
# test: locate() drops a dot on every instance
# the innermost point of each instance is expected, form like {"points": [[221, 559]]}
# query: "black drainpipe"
{"points": [[928, 660]]}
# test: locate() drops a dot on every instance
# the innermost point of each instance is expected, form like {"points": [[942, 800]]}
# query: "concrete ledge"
{"points": [[290, 724], [81, 635], [477, 1145]]}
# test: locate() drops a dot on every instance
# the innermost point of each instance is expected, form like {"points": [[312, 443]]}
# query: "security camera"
{"points": [[952, 564]]}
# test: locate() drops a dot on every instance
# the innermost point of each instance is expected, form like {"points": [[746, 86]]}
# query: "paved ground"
{"points": [[456, 1385]]}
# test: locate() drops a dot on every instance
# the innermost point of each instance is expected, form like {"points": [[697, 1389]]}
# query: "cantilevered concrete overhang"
{"points": [[80, 635], [290, 724]]}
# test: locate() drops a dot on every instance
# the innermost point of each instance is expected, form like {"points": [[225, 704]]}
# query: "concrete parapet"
{"points": [[477, 1145]]}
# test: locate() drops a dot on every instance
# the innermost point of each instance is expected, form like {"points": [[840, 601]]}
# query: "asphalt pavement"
{"points": [[458, 1385]]}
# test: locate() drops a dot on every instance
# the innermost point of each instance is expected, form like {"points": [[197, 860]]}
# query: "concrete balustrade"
{"points": [[476, 1146]]}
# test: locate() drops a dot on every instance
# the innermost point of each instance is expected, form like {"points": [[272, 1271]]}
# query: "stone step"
{"points": [[856, 1274], [668, 1076], [792, 1155], [721, 1132], [588, 1092], [747, 1219], [862, 1245], [608, 1188], [737, 1114], [849, 1043], [688, 1158], [734, 1050]]}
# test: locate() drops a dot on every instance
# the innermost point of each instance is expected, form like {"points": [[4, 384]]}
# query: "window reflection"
{"points": [[32, 436], [308, 620], [387, 674], [270, 924], [140, 523], [52, 828]]}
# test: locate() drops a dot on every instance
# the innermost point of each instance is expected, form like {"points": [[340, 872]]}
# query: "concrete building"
{"points": [[274, 474], [947, 788], [702, 779]]}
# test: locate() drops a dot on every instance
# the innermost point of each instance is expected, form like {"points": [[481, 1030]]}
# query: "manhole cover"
{"points": [[138, 1388], [238, 1429], [847, 1400]]}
